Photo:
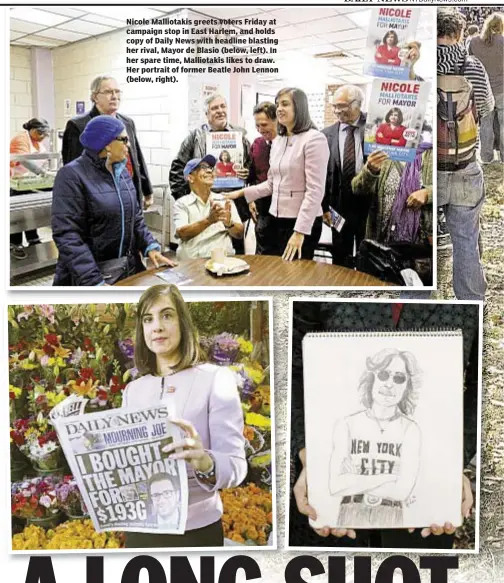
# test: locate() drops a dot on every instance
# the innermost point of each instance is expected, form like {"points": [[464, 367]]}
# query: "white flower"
{"points": [[45, 501]]}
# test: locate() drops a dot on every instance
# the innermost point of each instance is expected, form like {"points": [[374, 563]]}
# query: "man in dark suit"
{"points": [[106, 98], [346, 145]]}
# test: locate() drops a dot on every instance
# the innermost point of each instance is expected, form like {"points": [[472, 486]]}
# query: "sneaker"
{"points": [[18, 252], [443, 236]]}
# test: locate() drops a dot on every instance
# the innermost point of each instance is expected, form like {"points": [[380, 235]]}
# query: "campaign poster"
{"points": [[391, 28], [395, 118], [227, 148]]}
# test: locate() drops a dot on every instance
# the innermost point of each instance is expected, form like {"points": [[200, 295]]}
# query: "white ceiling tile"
{"points": [[333, 24], [42, 41], [354, 79], [121, 12], [63, 10], [15, 35], [344, 35], [299, 43], [347, 60], [37, 16], [61, 34], [284, 33], [228, 11], [318, 49], [358, 68], [336, 71], [302, 14], [361, 17], [112, 22], [26, 27], [87, 28], [349, 45]]}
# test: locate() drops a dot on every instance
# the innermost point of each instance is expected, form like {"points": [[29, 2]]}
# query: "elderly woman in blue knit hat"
{"points": [[97, 224]]}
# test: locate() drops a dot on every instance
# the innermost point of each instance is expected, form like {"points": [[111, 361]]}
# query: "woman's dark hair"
{"points": [[302, 119], [472, 29], [394, 34], [267, 108], [37, 124], [394, 110], [191, 352], [450, 23], [224, 152]]}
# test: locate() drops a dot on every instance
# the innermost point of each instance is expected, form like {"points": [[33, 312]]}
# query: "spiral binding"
{"points": [[386, 333]]}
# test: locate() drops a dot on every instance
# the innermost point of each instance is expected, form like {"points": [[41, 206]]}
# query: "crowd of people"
{"points": [[295, 177]]}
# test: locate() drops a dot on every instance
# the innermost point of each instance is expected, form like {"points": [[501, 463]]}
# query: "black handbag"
{"points": [[114, 270], [380, 261]]}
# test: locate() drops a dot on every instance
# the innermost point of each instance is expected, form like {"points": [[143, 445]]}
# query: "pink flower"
{"points": [[45, 501], [44, 360], [48, 312]]}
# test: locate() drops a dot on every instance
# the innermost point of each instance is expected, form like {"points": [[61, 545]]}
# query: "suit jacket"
{"points": [[296, 178], [207, 396], [338, 194], [354, 317], [72, 149]]}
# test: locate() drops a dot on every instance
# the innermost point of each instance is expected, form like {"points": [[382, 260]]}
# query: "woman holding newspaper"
{"points": [[205, 402], [296, 179]]}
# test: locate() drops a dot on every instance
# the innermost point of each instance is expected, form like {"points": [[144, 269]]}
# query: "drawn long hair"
{"points": [[380, 361], [391, 33]]}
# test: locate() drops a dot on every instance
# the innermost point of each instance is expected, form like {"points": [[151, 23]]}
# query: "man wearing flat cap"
{"points": [[29, 141], [106, 98], [204, 220]]}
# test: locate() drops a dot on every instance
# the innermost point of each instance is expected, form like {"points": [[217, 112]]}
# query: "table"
{"points": [[265, 271]]}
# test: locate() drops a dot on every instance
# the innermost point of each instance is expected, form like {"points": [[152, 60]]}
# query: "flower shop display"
{"points": [[70, 499], [88, 351], [36, 501], [77, 534]]}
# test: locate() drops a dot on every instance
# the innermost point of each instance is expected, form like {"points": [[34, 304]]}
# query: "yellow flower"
{"points": [[246, 346], [54, 398], [257, 420], [255, 374], [16, 390], [61, 352], [86, 389]]}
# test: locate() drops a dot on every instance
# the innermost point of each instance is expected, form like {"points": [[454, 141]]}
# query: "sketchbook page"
{"points": [[384, 428]]}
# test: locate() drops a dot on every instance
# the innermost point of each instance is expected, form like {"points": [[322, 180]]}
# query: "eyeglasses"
{"points": [[338, 108], [123, 139], [110, 92], [399, 378], [164, 494]]}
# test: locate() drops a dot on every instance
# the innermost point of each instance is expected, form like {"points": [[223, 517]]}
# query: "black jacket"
{"points": [[338, 195], [72, 149]]}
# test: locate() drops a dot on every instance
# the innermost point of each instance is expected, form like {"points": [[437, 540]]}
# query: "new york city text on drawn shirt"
{"points": [[373, 451]]}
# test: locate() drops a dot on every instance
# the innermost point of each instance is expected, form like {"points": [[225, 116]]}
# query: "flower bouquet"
{"points": [[70, 499], [36, 501], [224, 349], [38, 442], [247, 517]]}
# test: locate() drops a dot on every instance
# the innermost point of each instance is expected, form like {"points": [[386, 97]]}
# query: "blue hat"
{"points": [[195, 162], [100, 131]]}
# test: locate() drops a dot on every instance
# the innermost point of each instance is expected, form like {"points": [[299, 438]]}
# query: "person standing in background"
{"points": [[488, 47], [265, 120], [106, 98], [29, 141]]}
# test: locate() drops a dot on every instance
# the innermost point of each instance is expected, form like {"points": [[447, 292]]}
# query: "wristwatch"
{"points": [[209, 474], [230, 226]]}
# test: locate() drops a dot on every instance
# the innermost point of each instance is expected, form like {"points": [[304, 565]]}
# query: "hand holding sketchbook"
{"points": [[374, 459]]}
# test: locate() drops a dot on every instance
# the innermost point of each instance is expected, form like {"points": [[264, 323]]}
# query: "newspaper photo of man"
{"points": [[163, 501]]}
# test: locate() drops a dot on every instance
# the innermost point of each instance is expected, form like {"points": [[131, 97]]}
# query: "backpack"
{"points": [[457, 121]]}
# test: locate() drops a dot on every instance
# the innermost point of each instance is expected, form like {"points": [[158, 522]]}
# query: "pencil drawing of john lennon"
{"points": [[375, 458]]}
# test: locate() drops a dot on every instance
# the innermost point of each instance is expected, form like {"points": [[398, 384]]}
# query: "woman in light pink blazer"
{"points": [[296, 179], [202, 399]]}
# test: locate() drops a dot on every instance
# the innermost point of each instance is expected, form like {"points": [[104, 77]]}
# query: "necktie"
{"points": [[396, 313], [349, 153]]}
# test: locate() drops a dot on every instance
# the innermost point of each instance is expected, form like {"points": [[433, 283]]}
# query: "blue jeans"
{"points": [[462, 194], [487, 131]]}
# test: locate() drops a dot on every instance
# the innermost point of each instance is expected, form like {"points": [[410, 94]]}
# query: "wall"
{"points": [[20, 88]]}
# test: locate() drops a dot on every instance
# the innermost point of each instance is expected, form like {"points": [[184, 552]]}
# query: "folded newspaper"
{"points": [[125, 479]]}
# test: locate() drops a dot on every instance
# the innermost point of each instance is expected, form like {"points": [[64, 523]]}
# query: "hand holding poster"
{"points": [[227, 148], [395, 118], [125, 479], [390, 30]]}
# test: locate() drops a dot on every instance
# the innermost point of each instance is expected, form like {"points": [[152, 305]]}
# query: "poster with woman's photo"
{"points": [[390, 30], [127, 480], [227, 147], [395, 118], [373, 458]]}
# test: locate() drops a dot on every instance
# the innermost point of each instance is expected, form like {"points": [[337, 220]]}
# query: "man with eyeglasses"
{"points": [[195, 146], [106, 98], [164, 508], [203, 219], [346, 145]]}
